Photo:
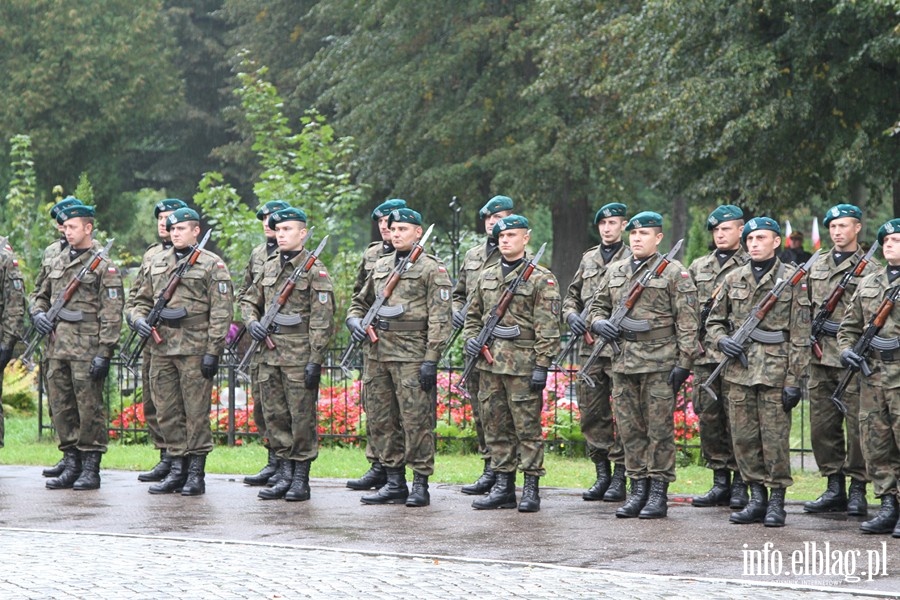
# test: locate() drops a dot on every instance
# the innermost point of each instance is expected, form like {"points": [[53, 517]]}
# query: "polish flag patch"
{"points": [[442, 269], [220, 265], [323, 273], [685, 275], [15, 262], [111, 270], [551, 282]]}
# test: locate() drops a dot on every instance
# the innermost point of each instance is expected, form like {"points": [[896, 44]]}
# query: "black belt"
{"points": [[385, 325], [646, 336], [290, 329], [185, 322]]}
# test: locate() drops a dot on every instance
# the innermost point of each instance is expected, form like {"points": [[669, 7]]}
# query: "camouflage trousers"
{"points": [[512, 423], [879, 425], [149, 406], [259, 412], [597, 423], [183, 400], [2, 426], [761, 434], [472, 384], [77, 406], [372, 451], [712, 415], [834, 455], [400, 415], [643, 404], [290, 412]]}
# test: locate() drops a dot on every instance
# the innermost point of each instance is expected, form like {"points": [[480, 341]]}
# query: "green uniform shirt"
{"points": [[862, 307], [708, 274], [12, 299]]}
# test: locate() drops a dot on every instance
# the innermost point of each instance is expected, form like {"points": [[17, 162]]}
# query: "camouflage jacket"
{"points": [[254, 267], [773, 365], [668, 304], [205, 294], [823, 277], [474, 262], [862, 307], [708, 274], [99, 297], [373, 252], [151, 251], [423, 293], [12, 299], [307, 316], [535, 308], [585, 283], [50, 253]]}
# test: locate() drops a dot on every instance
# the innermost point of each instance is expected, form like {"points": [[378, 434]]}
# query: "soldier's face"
{"points": [[492, 220], [78, 232], [290, 235], [844, 232], [610, 229], [761, 245], [727, 235], [512, 242], [268, 232], [161, 224], [891, 249], [644, 241], [384, 230], [404, 236], [184, 234]]}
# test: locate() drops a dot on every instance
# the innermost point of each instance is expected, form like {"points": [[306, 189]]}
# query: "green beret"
{"points": [[180, 216], [167, 205], [64, 203], [842, 210], [385, 208], [726, 212], [75, 210], [270, 207], [613, 209], [288, 214], [759, 224], [644, 219], [404, 215], [495, 205], [509, 222], [892, 226]]}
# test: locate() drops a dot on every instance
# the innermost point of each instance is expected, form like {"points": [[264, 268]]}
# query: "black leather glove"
{"points": [[312, 376], [472, 348], [41, 322], [677, 377], [851, 359], [209, 366], [357, 333], [606, 330], [257, 330], [730, 348], [459, 319], [142, 327], [99, 368], [790, 397], [577, 325], [428, 375], [6, 353], [538, 379]]}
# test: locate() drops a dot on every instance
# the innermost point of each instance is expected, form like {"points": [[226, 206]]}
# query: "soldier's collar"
{"points": [[63, 243], [180, 253], [608, 252], [386, 247], [724, 255], [636, 263], [286, 257], [271, 245], [166, 244], [508, 267], [760, 268], [892, 272], [76, 252]]}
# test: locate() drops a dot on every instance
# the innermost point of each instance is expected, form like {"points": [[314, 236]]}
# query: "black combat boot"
{"points": [[616, 490], [886, 519], [159, 471], [299, 490], [503, 493], [739, 497], [857, 505], [56, 470], [719, 494], [834, 499], [71, 471], [755, 511], [90, 472], [392, 492], [596, 491], [262, 478], [419, 495], [640, 492], [775, 511], [657, 506], [531, 498], [285, 479], [174, 481], [373, 479], [196, 476], [484, 483]]}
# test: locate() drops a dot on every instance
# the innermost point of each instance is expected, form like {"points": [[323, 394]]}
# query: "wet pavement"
{"points": [[120, 542]]}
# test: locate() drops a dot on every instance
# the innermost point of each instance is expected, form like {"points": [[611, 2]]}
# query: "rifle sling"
{"points": [[646, 336]]}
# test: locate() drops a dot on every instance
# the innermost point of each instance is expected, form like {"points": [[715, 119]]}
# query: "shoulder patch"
{"points": [[550, 282], [220, 264], [685, 275], [112, 292], [445, 294], [323, 297], [323, 273], [111, 269], [223, 287]]}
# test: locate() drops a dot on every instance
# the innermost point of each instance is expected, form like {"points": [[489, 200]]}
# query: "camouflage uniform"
{"points": [[760, 428], [511, 411], [76, 400], [400, 415], [642, 399], [50, 253], [291, 408], [12, 310], [182, 396]]}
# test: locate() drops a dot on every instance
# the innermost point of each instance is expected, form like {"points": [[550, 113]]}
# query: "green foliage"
{"points": [[84, 191], [19, 395], [698, 238], [130, 220], [235, 225]]}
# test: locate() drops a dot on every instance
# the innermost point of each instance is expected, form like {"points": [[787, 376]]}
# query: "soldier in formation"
{"points": [[12, 314]]}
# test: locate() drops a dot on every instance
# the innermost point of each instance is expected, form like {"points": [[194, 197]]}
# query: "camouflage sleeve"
{"points": [[112, 301], [601, 305], [547, 306], [683, 293], [321, 312], [473, 323], [717, 322], [40, 299], [799, 350], [220, 307], [248, 279], [252, 302], [42, 274], [439, 326], [142, 273], [460, 291], [362, 300], [853, 323], [12, 307], [573, 302], [361, 275], [142, 300]]}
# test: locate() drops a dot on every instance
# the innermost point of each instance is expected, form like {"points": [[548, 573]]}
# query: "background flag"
{"points": [[787, 233], [816, 242]]}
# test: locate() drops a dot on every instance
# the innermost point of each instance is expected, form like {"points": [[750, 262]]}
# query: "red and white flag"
{"points": [[787, 233], [816, 241]]}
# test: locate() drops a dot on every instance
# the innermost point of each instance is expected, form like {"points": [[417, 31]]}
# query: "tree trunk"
{"points": [[678, 228], [572, 220]]}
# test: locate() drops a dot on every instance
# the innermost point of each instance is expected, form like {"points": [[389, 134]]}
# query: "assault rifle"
{"points": [[58, 309], [866, 342], [588, 339], [821, 322], [619, 316], [378, 306], [749, 328], [456, 331], [135, 344], [269, 320], [486, 336]]}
